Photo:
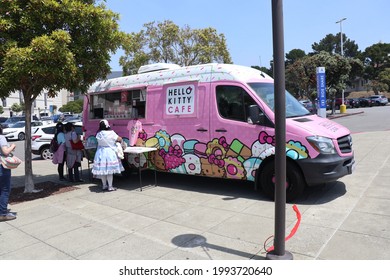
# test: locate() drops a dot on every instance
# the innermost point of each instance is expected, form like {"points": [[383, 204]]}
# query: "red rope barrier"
{"points": [[293, 231]]}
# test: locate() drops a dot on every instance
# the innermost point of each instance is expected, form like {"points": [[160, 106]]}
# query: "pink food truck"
{"points": [[217, 120]]}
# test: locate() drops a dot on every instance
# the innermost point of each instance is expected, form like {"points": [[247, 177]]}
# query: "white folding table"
{"points": [[138, 151]]}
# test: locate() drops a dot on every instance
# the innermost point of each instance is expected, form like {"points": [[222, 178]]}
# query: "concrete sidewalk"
{"points": [[198, 218]]}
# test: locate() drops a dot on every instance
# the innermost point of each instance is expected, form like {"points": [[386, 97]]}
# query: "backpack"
{"points": [[54, 144]]}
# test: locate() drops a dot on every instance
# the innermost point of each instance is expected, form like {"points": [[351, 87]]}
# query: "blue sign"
{"points": [[321, 87]]}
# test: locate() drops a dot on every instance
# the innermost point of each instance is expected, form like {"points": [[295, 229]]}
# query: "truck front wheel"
{"points": [[295, 183]]}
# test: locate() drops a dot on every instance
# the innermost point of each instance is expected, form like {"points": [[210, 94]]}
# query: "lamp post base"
{"points": [[273, 257]]}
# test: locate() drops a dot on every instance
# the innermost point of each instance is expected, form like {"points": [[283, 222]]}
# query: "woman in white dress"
{"points": [[106, 162]]}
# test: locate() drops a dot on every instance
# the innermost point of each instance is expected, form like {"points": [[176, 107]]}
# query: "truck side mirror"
{"points": [[255, 115]]}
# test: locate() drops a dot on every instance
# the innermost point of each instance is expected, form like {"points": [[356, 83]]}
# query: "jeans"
{"points": [[5, 189]]}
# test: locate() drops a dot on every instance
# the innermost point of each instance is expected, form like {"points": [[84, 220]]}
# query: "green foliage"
{"points": [[73, 106], [263, 69], [1, 109], [377, 86], [52, 45], [301, 76], [384, 77], [166, 42], [294, 55], [376, 59], [16, 107], [332, 44]]}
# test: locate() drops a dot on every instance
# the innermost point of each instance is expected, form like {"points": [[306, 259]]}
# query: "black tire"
{"points": [[295, 181], [21, 136]]}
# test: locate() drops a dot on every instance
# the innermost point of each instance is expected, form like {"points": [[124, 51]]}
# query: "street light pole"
{"points": [[341, 35], [342, 54]]}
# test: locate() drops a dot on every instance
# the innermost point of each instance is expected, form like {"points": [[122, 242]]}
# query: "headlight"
{"points": [[321, 144], [8, 132]]}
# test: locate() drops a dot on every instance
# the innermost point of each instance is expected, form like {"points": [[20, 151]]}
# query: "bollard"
{"points": [[343, 108]]}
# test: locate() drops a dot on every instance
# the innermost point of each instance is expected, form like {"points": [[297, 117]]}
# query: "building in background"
{"points": [[44, 105]]}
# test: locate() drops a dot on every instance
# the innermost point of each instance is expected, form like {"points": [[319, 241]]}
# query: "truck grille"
{"points": [[345, 144]]}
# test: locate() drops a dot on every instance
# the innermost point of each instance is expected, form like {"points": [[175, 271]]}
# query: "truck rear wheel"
{"points": [[295, 183]]}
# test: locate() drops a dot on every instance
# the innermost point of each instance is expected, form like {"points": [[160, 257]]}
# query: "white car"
{"points": [[380, 100], [17, 130], [40, 139]]}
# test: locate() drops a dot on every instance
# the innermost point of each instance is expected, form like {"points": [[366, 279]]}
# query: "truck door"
{"points": [[236, 141]]}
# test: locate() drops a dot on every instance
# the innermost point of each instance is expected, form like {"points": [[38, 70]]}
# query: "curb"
{"points": [[339, 115]]}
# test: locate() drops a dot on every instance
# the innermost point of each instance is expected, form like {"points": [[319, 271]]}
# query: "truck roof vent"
{"points": [[157, 67]]}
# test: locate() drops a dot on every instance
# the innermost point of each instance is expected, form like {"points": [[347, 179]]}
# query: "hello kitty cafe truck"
{"points": [[217, 120]]}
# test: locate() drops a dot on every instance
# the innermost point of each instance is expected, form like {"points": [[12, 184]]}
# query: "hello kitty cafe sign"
{"points": [[180, 100]]}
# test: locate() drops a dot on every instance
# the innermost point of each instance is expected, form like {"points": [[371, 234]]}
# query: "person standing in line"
{"points": [[106, 162], [73, 157], [59, 155], [5, 180]]}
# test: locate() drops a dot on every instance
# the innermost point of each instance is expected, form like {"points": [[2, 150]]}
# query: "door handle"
{"points": [[221, 130], [201, 130]]}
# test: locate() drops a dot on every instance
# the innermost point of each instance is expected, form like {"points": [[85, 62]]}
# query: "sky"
{"points": [[247, 24]]}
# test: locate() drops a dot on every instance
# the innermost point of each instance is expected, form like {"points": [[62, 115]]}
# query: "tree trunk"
{"points": [[29, 186]]}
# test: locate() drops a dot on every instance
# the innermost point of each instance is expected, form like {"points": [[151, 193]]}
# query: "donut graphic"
{"points": [[137, 159], [192, 164], [164, 141], [234, 168]]}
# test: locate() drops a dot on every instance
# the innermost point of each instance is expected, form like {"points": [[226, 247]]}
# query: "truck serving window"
{"points": [[128, 104]]}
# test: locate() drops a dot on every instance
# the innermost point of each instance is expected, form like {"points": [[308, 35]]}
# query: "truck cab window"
{"points": [[233, 103]]}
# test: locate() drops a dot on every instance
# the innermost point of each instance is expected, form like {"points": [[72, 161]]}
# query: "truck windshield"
{"points": [[266, 92]]}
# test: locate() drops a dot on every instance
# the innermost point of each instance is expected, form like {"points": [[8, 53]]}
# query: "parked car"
{"points": [[2, 120], [73, 118], [353, 102], [366, 102], [18, 130], [12, 120], [40, 139], [380, 100], [308, 105], [338, 102]]}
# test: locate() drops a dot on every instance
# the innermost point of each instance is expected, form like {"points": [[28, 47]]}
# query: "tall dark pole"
{"points": [[279, 252]]}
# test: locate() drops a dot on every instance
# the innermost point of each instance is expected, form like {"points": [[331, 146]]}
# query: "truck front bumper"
{"points": [[326, 168]]}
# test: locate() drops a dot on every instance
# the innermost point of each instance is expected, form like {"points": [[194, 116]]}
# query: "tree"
{"points": [[52, 45], [73, 106], [294, 55], [301, 75], [16, 107], [332, 45], [1, 109], [384, 77], [263, 69], [376, 58], [166, 42], [135, 55]]}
